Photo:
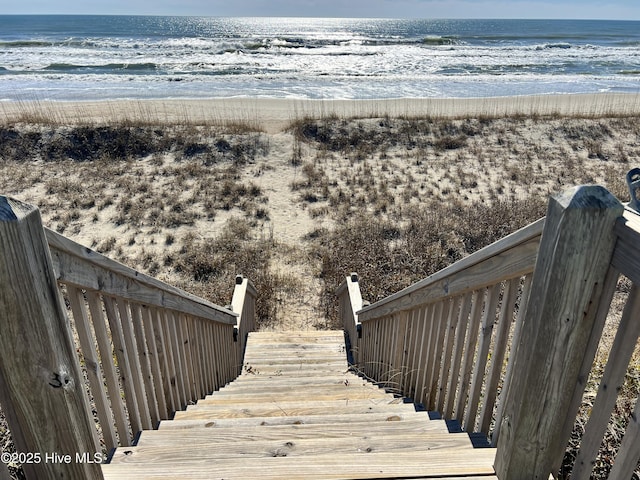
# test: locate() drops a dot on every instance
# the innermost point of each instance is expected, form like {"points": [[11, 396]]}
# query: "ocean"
{"points": [[46, 57]]}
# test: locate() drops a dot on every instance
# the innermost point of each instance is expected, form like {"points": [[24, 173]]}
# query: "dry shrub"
{"points": [[209, 266], [390, 255]]}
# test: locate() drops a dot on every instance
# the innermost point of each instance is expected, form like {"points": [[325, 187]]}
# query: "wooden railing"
{"points": [[148, 349], [503, 341]]}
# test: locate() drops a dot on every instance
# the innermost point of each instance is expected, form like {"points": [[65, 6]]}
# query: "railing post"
{"points": [[244, 304], [574, 255], [350, 300], [41, 384]]}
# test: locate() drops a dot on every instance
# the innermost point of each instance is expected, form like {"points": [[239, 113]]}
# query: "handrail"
{"points": [[511, 256], [78, 265], [170, 347], [504, 340]]}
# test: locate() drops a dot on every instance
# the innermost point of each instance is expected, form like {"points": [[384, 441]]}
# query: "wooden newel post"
{"points": [[41, 384], [574, 256]]}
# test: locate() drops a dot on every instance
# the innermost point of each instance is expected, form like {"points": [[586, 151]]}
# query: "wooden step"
{"points": [[213, 449], [294, 390], [292, 409], [337, 465], [401, 420], [195, 432], [256, 379], [342, 394]]}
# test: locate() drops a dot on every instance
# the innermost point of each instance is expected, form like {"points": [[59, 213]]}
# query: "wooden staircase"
{"points": [[298, 412]]}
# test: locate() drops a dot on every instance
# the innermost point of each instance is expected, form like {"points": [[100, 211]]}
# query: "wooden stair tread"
{"points": [[343, 418], [441, 462], [406, 419], [214, 449], [283, 427], [285, 387], [278, 411]]}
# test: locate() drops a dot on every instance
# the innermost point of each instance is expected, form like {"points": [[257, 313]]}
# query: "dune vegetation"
{"points": [[392, 198]]}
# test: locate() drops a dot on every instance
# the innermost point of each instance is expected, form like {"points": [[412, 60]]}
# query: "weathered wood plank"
{"points": [[492, 380], [145, 364], [626, 256], [365, 465], [134, 364], [612, 381], [92, 365], [488, 321], [111, 377], [314, 395], [577, 244], [41, 384], [155, 359], [406, 421], [214, 450], [295, 389], [458, 350], [629, 453], [469, 354], [121, 353], [85, 268], [299, 409]]}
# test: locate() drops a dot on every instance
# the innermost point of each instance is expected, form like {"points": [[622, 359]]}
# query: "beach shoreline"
{"points": [[274, 115]]}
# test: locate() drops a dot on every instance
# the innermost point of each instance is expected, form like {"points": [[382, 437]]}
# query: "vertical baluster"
{"points": [[195, 356], [500, 347], [612, 381], [134, 365], [423, 365], [93, 368], [178, 357], [183, 338], [122, 355], [145, 364], [399, 354], [458, 350], [469, 353], [163, 353], [418, 323], [157, 362], [629, 452], [171, 360], [440, 325], [488, 320], [514, 345], [111, 377], [446, 354]]}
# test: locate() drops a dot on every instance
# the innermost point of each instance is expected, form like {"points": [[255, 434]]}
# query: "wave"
{"points": [[559, 45], [445, 40], [110, 67], [24, 43]]}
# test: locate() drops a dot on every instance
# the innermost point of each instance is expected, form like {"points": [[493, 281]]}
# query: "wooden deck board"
{"points": [[440, 463], [342, 418], [215, 449], [200, 430]]}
